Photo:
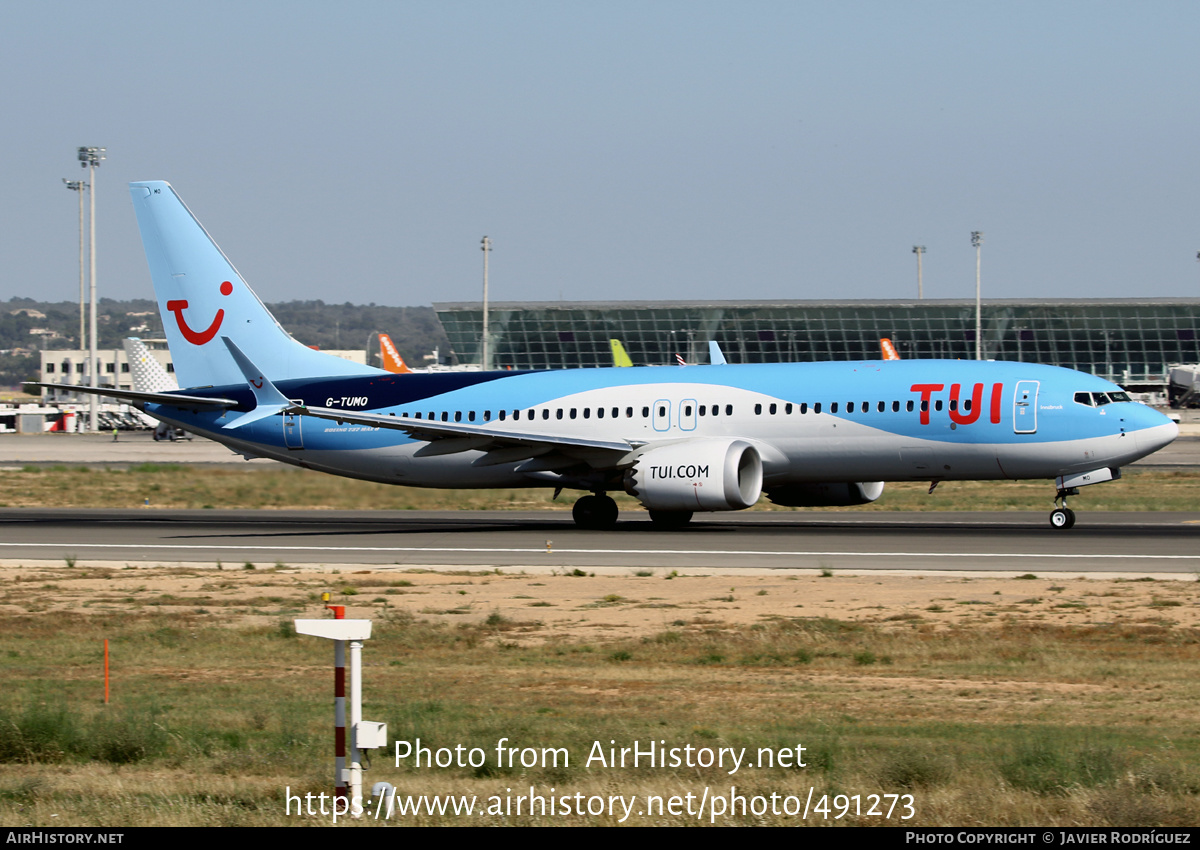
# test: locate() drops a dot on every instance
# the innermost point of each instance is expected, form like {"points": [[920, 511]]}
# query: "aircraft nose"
{"points": [[1154, 431]]}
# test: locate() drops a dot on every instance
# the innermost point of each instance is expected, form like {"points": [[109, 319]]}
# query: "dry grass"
{"points": [[1016, 712]]}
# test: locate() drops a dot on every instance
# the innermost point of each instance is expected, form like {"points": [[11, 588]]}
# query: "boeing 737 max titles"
{"points": [[679, 439]]}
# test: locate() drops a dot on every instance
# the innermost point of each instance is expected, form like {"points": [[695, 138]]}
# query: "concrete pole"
{"points": [[483, 349], [93, 412], [977, 241]]}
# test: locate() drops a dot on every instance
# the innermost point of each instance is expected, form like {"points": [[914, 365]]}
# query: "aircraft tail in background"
{"points": [[888, 350], [390, 358], [201, 298], [620, 358], [146, 373]]}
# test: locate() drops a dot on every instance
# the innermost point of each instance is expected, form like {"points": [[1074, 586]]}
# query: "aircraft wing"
{"points": [[173, 399], [501, 446]]}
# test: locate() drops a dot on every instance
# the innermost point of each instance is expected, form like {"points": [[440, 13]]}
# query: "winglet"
{"points": [[268, 399], [716, 357], [620, 358]]}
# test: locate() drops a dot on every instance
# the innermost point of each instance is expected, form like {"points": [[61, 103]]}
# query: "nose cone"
{"points": [[1153, 430]]}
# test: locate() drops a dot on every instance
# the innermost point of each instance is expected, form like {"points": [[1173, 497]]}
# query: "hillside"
{"points": [[28, 326]]}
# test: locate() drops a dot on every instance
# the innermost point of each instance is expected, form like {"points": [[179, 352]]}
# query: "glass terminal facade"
{"points": [[1128, 341]]}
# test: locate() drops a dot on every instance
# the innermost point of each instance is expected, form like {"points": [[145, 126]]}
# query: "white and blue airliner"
{"points": [[679, 439]]}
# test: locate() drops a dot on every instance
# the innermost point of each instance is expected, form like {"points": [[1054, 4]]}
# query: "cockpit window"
{"points": [[1100, 399]]}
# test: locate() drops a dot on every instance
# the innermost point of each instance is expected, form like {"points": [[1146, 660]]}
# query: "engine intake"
{"points": [[697, 475]]}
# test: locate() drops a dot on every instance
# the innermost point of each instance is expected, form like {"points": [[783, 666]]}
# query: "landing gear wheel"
{"points": [[597, 513], [1062, 518], [670, 519]]}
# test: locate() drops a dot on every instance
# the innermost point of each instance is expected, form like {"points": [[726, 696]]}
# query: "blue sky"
{"points": [[614, 150]]}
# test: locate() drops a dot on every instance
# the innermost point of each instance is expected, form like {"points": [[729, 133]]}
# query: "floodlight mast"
{"points": [[79, 186], [919, 250], [91, 158], [486, 247], [977, 241]]}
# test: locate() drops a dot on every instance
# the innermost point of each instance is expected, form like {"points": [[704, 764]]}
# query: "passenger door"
{"points": [[1025, 407]]}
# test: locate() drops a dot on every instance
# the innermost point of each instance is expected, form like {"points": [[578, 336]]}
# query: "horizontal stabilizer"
{"points": [[173, 399]]}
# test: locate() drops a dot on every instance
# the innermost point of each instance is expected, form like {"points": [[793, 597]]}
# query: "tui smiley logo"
{"points": [[198, 337]]}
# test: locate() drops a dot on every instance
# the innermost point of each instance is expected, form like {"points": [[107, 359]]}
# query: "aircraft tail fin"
{"points": [[620, 358], [389, 357], [148, 375], [716, 357], [888, 350], [201, 296]]}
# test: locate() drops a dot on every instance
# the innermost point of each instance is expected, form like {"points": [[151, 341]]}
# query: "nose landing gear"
{"points": [[1063, 517]]}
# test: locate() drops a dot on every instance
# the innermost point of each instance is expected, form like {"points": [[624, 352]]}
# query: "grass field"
{"points": [[1012, 701], [180, 486]]}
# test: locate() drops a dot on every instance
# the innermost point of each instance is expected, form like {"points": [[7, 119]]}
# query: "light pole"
{"points": [[919, 250], [90, 158], [79, 186], [977, 241], [486, 247]]}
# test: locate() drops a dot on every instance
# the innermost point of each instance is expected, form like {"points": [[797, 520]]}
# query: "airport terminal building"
{"points": [[1129, 341]]}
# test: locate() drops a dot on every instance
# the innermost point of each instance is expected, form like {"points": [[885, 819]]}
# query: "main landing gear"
{"points": [[1063, 517], [597, 512]]}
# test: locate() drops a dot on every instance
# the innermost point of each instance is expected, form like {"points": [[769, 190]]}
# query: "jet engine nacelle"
{"points": [[697, 475], [826, 495]]}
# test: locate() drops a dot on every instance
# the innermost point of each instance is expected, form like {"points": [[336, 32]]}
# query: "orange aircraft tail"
{"points": [[889, 351], [390, 357]]}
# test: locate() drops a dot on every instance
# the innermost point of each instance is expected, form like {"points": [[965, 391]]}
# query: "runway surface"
{"points": [[1024, 542]]}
